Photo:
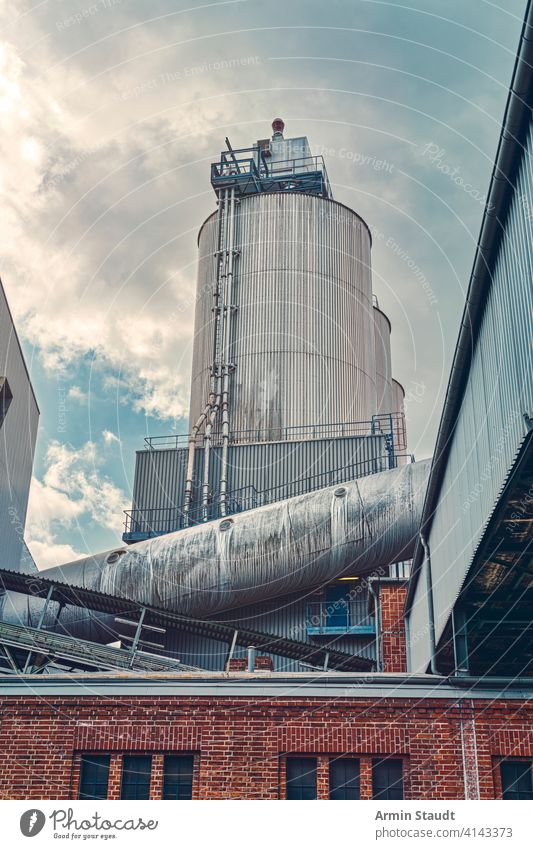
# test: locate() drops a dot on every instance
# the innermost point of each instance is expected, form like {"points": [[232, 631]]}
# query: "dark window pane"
{"points": [[344, 778], [177, 782], [136, 777], [6, 397], [301, 778], [387, 782], [516, 780], [94, 777]]}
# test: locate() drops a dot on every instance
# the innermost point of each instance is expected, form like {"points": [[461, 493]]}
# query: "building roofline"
{"points": [[302, 194], [394, 380], [385, 316], [509, 151], [281, 685]]}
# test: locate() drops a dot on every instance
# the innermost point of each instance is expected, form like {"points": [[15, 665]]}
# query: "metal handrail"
{"points": [[375, 426], [249, 169], [153, 521]]}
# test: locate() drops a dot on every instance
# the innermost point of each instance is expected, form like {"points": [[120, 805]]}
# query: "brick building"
{"points": [[438, 699], [265, 735]]}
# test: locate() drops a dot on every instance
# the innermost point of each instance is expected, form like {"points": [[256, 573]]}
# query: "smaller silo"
{"points": [[399, 426], [382, 331]]}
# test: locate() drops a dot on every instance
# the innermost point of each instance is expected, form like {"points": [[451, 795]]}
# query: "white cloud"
{"points": [[75, 393], [90, 263], [110, 437], [73, 491]]}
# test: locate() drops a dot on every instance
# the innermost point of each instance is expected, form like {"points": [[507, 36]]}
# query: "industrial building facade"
{"points": [[19, 418], [274, 641]]}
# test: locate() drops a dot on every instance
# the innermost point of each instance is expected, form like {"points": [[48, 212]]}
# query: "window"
{"points": [[136, 771], [301, 778], [387, 780], [94, 777], [343, 778], [177, 779], [6, 396], [516, 780]]}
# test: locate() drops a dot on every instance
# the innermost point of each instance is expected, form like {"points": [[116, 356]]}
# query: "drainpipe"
{"points": [[431, 610], [378, 625], [407, 643]]}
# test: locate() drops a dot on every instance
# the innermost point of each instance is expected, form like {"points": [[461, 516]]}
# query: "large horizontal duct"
{"points": [[271, 551]]}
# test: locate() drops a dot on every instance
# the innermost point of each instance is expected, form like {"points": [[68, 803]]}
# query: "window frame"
{"points": [[516, 795], [340, 791], [137, 784], [96, 759], [6, 397], [173, 796], [385, 792], [290, 784]]}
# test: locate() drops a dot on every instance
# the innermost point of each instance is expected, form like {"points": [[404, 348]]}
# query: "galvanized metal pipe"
{"points": [[272, 551], [218, 348], [212, 397], [228, 306]]}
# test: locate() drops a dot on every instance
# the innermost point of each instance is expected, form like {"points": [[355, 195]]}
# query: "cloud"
{"points": [[109, 437], [72, 493], [91, 260], [75, 393]]}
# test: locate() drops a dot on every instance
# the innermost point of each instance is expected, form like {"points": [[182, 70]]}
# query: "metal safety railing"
{"points": [[385, 424], [249, 170], [142, 523]]}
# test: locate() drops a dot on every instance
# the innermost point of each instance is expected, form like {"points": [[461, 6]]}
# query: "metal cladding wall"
{"points": [[489, 428], [18, 432], [283, 617], [398, 406], [160, 474], [303, 333], [384, 394]]}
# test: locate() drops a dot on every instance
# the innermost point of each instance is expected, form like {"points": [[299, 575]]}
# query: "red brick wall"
{"points": [[240, 743], [392, 598]]}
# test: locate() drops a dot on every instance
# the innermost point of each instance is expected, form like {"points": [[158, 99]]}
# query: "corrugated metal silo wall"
{"points": [[382, 332], [284, 617], [160, 474], [490, 426], [303, 334], [398, 406], [17, 441]]}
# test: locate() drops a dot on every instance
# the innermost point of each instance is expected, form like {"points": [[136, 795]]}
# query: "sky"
{"points": [[111, 114]]}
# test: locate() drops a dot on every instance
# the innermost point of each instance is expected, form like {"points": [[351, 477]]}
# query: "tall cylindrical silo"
{"points": [[382, 331], [302, 343]]}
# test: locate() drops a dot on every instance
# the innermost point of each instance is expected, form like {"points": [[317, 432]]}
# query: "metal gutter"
{"points": [[516, 111], [266, 685]]}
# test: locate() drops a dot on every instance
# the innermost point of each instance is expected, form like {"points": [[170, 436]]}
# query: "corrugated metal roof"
{"points": [[224, 631]]}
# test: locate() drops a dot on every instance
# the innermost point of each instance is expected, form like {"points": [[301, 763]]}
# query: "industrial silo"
{"points": [[289, 353], [399, 426], [382, 331], [302, 332]]}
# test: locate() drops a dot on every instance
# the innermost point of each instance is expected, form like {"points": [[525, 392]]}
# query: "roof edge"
{"points": [[510, 142]]}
